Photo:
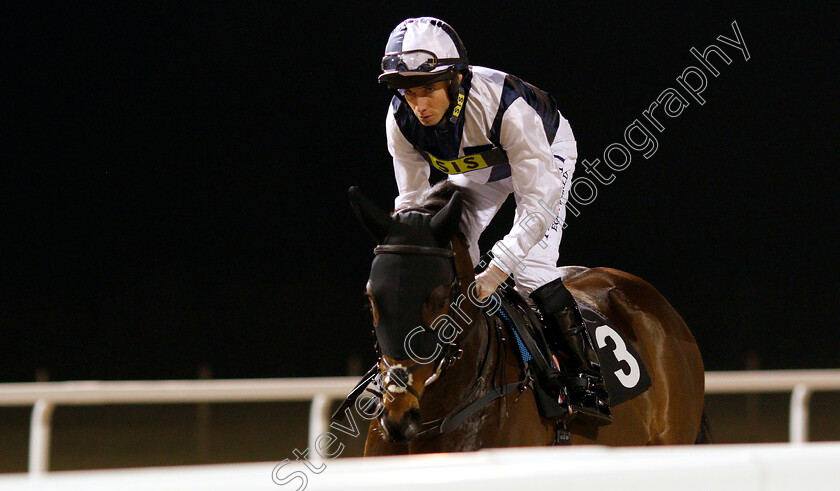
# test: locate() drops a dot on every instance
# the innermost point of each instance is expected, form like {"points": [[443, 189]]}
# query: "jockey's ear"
{"points": [[375, 220], [445, 222]]}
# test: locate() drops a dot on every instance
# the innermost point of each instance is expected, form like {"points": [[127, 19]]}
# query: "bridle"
{"points": [[398, 378]]}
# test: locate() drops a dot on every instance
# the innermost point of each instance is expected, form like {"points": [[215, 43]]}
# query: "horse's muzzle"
{"points": [[403, 431]]}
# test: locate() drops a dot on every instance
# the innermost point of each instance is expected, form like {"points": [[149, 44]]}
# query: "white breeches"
{"points": [[540, 264]]}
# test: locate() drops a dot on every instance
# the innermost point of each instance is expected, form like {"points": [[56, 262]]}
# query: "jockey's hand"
{"points": [[488, 281]]}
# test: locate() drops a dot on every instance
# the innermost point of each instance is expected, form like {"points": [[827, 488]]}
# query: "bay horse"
{"points": [[468, 394]]}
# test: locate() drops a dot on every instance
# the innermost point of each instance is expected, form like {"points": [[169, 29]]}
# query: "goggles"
{"points": [[416, 60]]}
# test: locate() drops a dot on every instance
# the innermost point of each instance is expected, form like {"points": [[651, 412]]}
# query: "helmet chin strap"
{"points": [[460, 93], [454, 88], [455, 108], [456, 93]]}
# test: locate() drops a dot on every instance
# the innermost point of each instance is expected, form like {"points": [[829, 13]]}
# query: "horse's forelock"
{"points": [[439, 195]]}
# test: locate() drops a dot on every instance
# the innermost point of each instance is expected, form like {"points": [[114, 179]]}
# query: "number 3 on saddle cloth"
{"points": [[625, 375]]}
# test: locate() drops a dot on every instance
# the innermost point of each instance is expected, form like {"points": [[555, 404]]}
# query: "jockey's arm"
{"points": [[410, 169], [537, 184]]}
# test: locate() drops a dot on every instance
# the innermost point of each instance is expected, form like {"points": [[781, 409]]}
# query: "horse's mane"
{"points": [[439, 195]]}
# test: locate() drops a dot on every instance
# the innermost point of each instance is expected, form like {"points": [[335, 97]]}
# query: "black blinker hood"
{"points": [[401, 284]]}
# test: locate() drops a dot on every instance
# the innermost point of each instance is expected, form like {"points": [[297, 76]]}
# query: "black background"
{"points": [[175, 174]]}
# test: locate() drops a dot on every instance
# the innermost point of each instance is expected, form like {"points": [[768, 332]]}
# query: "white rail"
{"points": [[766, 467], [45, 396], [800, 383]]}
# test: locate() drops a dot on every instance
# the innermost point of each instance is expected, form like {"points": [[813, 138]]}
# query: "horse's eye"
{"points": [[438, 298], [442, 303]]}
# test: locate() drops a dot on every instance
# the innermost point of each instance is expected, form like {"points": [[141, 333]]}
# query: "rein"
{"points": [[465, 408]]}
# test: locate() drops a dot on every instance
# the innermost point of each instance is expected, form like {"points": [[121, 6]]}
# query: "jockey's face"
{"points": [[429, 102]]}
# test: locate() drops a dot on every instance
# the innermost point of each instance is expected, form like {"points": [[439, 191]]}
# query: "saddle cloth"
{"points": [[625, 375]]}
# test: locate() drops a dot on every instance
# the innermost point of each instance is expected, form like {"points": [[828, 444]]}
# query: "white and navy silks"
{"points": [[528, 149]]}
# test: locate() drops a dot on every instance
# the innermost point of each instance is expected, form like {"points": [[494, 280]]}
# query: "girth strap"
{"points": [[535, 347]]}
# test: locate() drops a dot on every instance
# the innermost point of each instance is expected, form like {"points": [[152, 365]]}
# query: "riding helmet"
{"points": [[421, 51]]}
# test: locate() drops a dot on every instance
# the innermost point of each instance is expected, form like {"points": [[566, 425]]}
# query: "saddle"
{"points": [[625, 375], [536, 357]]}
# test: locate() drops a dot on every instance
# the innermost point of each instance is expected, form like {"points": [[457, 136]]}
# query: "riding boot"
{"points": [[566, 333]]}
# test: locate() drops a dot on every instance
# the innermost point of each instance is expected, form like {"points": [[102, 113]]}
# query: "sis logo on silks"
{"points": [[457, 166]]}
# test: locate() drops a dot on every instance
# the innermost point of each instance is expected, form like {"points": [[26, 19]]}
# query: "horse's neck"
{"points": [[480, 354], [478, 335], [464, 269], [471, 371]]}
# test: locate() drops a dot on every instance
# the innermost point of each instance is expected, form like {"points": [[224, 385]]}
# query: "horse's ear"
{"points": [[374, 219], [445, 222]]}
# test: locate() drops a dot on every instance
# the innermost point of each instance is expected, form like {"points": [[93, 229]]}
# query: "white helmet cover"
{"points": [[427, 34]]}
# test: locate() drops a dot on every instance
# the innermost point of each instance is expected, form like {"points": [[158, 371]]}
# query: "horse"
{"points": [[460, 387]]}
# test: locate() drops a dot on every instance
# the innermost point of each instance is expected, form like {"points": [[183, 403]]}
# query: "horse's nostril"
{"points": [[411, 424], [391, 429], [406, 429]]}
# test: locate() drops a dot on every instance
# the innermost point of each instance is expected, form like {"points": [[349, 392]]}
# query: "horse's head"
{"points": [[413, 282]]}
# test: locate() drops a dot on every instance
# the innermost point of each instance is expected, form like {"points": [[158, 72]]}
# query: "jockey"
{"points": [[493, 134]]}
